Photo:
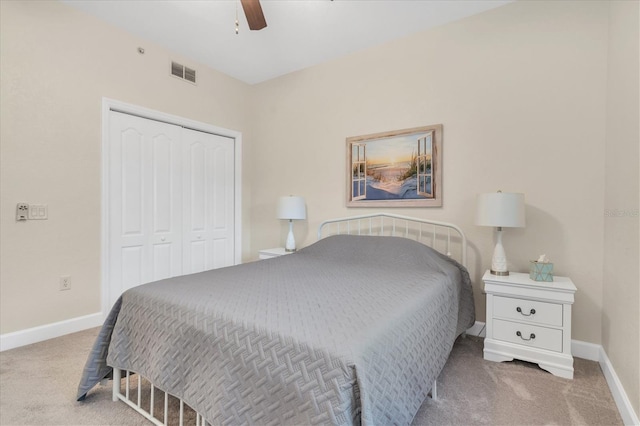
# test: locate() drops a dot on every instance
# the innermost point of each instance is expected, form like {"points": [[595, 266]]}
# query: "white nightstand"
{"points": [[530, 320], [273, 252]]}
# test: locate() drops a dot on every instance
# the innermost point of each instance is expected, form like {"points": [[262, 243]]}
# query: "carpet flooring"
{"points": [[472, 391], [38, 386]]}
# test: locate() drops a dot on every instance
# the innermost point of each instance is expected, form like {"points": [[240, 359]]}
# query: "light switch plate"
{"points": [[38, 212]]}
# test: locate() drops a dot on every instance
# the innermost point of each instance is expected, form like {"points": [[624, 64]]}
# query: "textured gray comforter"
{"points": [[352, 329]]}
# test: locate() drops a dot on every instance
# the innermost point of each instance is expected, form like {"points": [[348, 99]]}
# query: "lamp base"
{"points": [[291, 242], [499, 259]]}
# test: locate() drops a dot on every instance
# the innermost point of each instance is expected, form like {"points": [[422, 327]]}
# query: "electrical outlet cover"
{"points": [[65, 282], [22, 211]]}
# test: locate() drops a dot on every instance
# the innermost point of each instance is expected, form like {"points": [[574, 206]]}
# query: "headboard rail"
{"points": [[444, 237]]}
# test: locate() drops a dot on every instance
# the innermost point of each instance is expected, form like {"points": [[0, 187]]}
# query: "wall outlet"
{"points": [[65, 282]]}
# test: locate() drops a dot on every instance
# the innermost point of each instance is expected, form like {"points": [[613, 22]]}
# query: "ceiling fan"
{"points": [[253, 12]]}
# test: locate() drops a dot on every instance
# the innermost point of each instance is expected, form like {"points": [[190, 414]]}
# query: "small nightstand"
{"points": [[272, 252], [530, 320]]}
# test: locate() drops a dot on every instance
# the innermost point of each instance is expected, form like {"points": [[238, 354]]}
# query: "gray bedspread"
{"points": [[350, 330]]}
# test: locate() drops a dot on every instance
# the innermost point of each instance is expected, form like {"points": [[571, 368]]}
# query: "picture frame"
{"points": [[400, 168]]}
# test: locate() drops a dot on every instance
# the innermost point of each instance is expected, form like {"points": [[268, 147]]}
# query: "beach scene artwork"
{"points": [[398, 168]]}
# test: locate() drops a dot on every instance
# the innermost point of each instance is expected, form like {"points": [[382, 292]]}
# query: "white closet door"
{"points": [[208, 201], [145, 211]]}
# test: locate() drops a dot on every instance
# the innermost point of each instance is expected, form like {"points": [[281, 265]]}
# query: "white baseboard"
{"points": [[629, 416], [591, 352], [49, 331], [586, 350], [477, 329]]}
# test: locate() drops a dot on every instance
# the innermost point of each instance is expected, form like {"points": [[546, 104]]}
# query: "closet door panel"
{"points": [[198, 256], [163, 260], [209, 203], [133, 271], [132, 182], [162, 184], [144, 202], [171, 201], [222, 206], [166, 204]]}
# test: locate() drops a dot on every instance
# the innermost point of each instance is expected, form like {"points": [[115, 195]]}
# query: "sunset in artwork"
{"points": [[397, 167]]}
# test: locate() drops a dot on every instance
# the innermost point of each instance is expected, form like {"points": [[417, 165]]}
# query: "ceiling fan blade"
{"points": [[253, 12]]}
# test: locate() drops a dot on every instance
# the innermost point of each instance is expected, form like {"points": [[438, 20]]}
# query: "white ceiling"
{"points": [[300, 33]]}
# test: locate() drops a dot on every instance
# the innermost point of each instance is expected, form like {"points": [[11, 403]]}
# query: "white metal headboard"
{"points": [[441, 236]]}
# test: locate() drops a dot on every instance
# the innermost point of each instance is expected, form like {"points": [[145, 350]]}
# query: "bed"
{"points": [[353, 329]]}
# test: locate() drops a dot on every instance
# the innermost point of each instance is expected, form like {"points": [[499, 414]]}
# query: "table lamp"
{"points": [[501, 210], [291, 208]]}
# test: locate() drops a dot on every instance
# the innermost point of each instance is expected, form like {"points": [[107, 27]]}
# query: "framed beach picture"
{"points": [[401, 168]]}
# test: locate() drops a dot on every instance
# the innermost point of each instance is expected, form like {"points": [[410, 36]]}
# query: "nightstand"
{"points": [[272, 252], [530, 320]]}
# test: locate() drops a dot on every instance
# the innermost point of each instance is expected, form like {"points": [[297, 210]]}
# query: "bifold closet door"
{"points": [[171, 201], [145, 202], [208, 201]]}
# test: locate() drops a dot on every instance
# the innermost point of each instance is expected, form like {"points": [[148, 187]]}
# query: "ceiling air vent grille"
{"points": [[183, 72]]}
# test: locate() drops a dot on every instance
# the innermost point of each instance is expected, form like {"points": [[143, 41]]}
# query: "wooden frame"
{"points": [[400, 168]]}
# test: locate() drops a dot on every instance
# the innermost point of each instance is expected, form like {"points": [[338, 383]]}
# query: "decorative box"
{"points": [[541, 271]]}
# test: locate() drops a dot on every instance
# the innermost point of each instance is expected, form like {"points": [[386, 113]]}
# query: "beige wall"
{"points": [[57, 64], [621, 292], [521, 93]]}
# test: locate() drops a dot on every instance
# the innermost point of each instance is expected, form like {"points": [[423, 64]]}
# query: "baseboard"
{"points": [[49, 331], [477, 329], [586, 350], [591, 352], [594, 352], [628, 414]]}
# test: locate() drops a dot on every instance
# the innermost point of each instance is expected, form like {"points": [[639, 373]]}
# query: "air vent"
{"points": [[183, 72]]}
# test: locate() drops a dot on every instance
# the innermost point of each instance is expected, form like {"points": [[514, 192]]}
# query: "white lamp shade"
{"points": [[501, 209], [291, 208]]}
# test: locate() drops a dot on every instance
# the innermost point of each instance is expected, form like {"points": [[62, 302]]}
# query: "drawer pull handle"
{"points": [[531, 312], [532, 336]]}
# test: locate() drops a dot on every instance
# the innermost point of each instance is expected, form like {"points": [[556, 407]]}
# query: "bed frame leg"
{"points": [[434, 390], [117, 375]]}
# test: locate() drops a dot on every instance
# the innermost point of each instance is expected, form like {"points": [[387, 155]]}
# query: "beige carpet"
{"points": [[38, 386], [472, 391]]}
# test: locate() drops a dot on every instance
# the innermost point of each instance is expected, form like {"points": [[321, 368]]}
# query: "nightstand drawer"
{"points": [[545, 338], [532, 311]]}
